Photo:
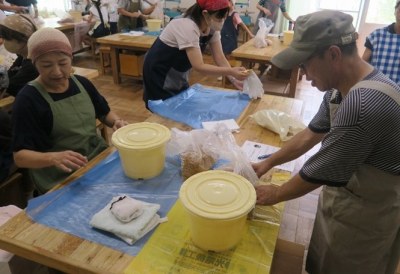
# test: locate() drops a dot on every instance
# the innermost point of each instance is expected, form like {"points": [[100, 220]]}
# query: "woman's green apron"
{"points": [[74, 128], [357, 227]]}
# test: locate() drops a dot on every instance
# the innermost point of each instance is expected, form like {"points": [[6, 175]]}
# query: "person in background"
{"points": [[28, 5], [6, 158], [382, 48], [98, 14], [87, 8], [15, 30], [13, 8], [269, 9], [54, 117], [130, 16], [357, 224], [229, 32], [112, 14], [179, 48], [154, 5]]}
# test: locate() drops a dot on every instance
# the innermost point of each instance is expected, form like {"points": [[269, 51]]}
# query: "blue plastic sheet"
{"points": [[199, 104], [71, 208]]}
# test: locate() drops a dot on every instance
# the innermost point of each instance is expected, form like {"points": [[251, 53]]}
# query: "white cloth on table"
{"points": [[127, 209], [132, 231]]}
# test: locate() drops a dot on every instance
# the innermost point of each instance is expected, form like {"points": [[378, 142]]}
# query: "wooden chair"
{"points": [[15, 191], [102, 129]]}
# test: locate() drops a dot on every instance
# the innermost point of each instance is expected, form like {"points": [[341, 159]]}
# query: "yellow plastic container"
{"points": [[153, 24], [217, 203], [287, 37], [141, 147]]}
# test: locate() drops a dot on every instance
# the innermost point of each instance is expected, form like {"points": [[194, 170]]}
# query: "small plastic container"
{"points": [[288, 37], [141, 147], [217, 203], [153, 25]]}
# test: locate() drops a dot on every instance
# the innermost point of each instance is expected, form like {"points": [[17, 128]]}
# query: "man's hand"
{"points": [[267, 194]]}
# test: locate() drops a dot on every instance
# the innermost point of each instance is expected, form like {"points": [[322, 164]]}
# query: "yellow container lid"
{"points": [[218, 194], [141, 136]]}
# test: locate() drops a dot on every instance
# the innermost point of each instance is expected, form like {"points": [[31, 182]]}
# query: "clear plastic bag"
{"points": [[198, 150], [252, 86], [265, 26], [237, 160], [279, 122], [201, 150]]}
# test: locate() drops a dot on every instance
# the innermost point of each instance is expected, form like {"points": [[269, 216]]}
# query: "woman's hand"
{"points": [[240, 73], [267, 194], [118, 123], [68, 160], [136, 14], [238, 84]]}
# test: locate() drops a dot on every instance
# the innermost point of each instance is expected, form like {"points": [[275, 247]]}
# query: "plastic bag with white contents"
{"points": [[265, 26], [279, 122], [236, 160], [252, 86]]}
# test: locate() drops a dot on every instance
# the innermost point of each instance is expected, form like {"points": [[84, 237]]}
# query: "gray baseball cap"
{"points": [[314, 31]]}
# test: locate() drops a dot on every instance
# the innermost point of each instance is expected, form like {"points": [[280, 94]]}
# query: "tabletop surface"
{"points": [[53, 23], [249, 51], [120, 39], [71, 254]]}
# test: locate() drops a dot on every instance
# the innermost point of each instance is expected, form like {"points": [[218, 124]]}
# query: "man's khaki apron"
{"points": [[74, 128], [357, 227]]}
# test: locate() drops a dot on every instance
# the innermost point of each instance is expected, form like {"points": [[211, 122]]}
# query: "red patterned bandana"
{"points": [[213, 5]]}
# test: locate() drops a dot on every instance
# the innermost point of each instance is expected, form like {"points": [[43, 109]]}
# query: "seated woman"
{"points": [[54, 117], [15, 30], [179, 48]]}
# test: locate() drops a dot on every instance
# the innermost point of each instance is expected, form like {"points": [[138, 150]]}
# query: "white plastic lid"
{"points": [[218, 194], [141, 136]]}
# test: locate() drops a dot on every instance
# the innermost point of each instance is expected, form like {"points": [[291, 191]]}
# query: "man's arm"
{"points": [[295, 147], [292, 189], [287, 16]]}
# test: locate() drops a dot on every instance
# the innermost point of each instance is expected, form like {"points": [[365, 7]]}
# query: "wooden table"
{"points": [[248, 53], [72, 254], [118, 42]]}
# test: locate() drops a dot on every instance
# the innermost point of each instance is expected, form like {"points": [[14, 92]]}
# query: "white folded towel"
{"points": [[126, 208], [132, 231]]}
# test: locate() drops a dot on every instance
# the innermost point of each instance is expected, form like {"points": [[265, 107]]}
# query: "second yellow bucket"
{"points": [[217, 203], [141, 147], [153, 24]]}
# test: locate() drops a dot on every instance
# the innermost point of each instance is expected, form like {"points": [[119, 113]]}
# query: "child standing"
{"points": [[229, 32]]}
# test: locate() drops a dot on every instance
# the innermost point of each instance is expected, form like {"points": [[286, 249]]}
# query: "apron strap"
{"points": [[380, 86]]}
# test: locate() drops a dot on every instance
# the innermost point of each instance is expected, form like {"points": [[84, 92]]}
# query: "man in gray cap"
{"points": [[357, 226]]}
